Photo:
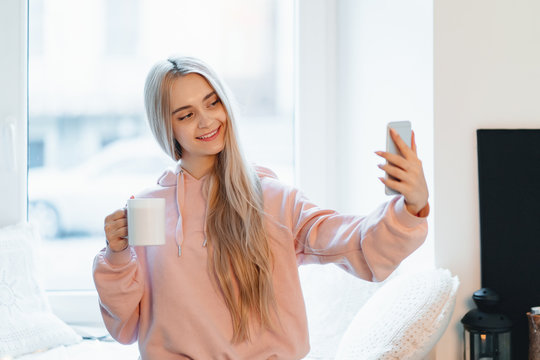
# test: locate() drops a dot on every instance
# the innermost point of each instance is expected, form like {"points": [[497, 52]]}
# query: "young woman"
{"points": [[225, 285]]}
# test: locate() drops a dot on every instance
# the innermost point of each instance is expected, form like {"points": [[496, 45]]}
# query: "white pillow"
{"points": [[26, 321], [403, 320], [333, 297]]}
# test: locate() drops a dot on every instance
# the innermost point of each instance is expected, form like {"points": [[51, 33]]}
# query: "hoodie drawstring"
{"points": [[180, 189], [180, 204]]}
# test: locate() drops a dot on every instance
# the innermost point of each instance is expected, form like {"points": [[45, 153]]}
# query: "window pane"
{"points": [[89, 144]]}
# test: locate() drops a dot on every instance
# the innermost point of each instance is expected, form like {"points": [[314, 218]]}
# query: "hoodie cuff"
{"points": [[119, 258], [405, 217]]}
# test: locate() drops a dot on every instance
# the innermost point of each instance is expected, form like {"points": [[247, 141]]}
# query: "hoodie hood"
{"points": [[170, 175], [174, 177]]}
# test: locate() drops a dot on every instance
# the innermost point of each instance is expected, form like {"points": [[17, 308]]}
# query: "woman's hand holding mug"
{"points": [[116, 230], [143, 218]]}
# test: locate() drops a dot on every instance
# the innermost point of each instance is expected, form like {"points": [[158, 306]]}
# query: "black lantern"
{"points": [[487, 332]]}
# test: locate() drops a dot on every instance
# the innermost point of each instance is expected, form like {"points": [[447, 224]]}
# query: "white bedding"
{"points": [[88, 350]]}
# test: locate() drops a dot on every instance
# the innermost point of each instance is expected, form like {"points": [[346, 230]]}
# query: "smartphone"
{"points": [[403, 128]]}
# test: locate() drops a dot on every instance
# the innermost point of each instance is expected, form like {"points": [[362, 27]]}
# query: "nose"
{"points": [[204, 120]]}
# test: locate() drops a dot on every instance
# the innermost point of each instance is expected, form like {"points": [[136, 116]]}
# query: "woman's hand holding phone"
{"points": [[407, 172]]}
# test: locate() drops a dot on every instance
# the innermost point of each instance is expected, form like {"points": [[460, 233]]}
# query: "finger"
{"points": [[394, 159], [118, 214], [130, 198], [392, 184], [121, 232], [120, 223], [112, 226], [413, 143], [394, 171], [402, 146], [109, 229], [118, 234]]}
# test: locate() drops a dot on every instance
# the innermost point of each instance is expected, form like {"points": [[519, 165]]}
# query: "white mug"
{"points": [[146, 221]]}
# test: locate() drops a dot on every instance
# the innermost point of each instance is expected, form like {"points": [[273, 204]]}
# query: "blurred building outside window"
{"points": [[90, 147]]}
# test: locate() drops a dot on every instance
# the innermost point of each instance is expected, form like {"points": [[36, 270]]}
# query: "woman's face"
{"points": [[198, 118]]}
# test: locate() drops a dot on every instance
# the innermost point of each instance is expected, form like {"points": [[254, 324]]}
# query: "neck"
{"points": [[200, 166]]}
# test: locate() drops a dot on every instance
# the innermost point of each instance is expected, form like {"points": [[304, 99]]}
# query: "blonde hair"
{"points": [[241, 260]]}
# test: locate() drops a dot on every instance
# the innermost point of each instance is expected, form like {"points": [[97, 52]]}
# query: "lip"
{"points": [[218, 130]]}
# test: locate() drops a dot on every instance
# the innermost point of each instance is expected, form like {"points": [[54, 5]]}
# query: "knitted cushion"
{"points": [[403, 320], [27, 323], [333, 297]]}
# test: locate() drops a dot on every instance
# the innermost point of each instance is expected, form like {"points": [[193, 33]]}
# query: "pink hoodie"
{"points": [[164, 297]]}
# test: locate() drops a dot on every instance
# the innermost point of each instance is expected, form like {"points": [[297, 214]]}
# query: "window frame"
{"points": [[315, 84], [13, 112]]}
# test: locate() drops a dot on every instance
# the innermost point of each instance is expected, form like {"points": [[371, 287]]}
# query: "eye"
{"points": [[185, 116], [214, 103]]}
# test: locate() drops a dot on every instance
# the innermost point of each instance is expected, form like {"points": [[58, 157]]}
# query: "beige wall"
{"points": [[486, 75]]}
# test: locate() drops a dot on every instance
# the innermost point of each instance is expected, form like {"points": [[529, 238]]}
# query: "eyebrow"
{"points": [[188, 106]]}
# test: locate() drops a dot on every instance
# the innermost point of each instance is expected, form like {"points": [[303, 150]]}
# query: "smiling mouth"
{"points": [[210, 135]]}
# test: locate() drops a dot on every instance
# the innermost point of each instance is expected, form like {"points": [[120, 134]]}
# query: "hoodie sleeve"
{"points": [[369, 247], [120, 285]]}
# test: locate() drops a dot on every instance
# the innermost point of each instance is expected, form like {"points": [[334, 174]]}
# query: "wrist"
{"points": [[118, 258], [115, 248], [118, 250], [404, 216], [417, 210]]}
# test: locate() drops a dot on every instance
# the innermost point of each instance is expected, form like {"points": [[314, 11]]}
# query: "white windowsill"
{"points": [[86, 313]]}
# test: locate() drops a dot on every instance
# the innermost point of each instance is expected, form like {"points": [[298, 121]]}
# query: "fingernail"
{"points": [[380, 166], [378, 152]]}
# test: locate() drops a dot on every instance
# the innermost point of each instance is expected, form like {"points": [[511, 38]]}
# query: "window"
{"points": [[85, 102], [90, 148], [122, 27]]}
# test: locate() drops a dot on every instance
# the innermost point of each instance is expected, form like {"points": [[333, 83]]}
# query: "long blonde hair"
{"points": [[241, 261]]}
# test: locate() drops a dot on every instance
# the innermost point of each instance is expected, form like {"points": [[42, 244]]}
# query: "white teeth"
{"points": [[209, 135]]}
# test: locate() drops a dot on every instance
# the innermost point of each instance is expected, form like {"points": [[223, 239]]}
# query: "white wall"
{"points": [[487, 75], [360, 64], [12, 112], [384, 73]]}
